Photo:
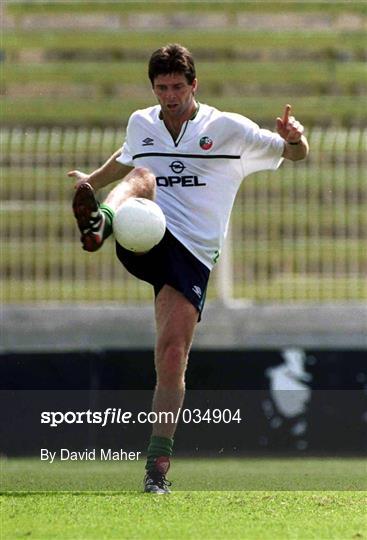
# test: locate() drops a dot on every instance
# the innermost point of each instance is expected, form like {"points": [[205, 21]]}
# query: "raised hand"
{"points": [[288, 127]]}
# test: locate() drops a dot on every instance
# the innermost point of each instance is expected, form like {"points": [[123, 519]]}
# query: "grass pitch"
{"points": [[247, 515], [258, 514]]}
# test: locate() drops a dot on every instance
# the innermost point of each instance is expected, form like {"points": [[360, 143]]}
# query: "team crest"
{"points": [[206, 143]]}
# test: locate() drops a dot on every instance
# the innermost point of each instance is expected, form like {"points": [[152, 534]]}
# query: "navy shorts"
{"points": [[169, 263]]}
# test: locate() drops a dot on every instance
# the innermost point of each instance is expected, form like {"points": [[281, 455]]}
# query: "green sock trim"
{"points": [[109, 213], [158, 446]]}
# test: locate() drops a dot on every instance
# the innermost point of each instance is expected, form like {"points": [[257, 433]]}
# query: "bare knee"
{"points": [[171, 364], [144, 183]]}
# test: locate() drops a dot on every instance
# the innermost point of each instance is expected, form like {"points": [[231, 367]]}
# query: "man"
{"points": [[190, 158]]}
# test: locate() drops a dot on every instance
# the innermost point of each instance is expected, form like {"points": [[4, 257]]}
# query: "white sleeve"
{"points": [[126, 156], [262, 151]]}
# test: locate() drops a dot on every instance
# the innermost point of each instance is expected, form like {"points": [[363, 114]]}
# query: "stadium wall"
{"points": [[296, 373], [235, 325]]}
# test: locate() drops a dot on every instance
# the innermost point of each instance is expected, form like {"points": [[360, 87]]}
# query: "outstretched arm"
{"points": [[110, 171], [296, 145]]}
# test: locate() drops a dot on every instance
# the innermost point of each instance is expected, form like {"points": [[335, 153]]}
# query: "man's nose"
{"points": [[171, 94]]}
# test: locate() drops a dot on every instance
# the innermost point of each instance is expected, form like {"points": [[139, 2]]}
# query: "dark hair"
{"points": [[172, 58]]}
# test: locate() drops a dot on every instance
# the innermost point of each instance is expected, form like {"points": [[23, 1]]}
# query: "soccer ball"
{"points": [[139, 224]]}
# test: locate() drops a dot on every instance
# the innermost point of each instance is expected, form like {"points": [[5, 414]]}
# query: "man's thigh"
{"points": [[169, 263], [176, 319]]}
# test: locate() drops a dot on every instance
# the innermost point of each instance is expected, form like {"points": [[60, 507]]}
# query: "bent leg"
{"points": [[95, 220], [140, 182]]}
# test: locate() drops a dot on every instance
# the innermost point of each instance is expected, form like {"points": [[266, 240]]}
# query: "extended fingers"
{"points": [[288, 127], [286, 114]]}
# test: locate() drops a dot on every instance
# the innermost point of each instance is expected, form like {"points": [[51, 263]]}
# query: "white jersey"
{"points": [[199, 174]]}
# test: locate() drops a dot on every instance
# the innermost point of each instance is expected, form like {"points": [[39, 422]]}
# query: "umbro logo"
{"points": [[148, 141], [197, 290]]}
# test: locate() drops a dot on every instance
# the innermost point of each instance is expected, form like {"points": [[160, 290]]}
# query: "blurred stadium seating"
{"points": [[71, 75], [297, 234]]}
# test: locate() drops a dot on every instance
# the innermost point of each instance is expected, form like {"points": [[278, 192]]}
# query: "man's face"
{"points": [[174, 93]]}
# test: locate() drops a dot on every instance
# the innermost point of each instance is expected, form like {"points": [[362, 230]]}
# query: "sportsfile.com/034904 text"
{"points": [[118, 416]]}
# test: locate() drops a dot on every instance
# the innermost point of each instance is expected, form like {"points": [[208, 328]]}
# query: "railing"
{"points": [[298, 234]]}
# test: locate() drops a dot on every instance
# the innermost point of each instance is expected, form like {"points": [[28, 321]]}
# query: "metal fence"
{"points": [[298, 234]]}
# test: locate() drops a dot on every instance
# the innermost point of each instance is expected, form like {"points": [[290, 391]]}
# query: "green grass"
{"points": [[208, 515], [299, 510], [189, 474]]}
